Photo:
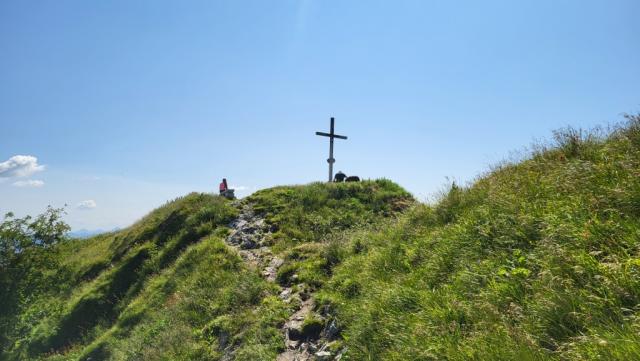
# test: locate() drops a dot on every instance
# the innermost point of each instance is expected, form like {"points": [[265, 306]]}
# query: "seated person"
{"points": [[339, 177], [223, 186]]}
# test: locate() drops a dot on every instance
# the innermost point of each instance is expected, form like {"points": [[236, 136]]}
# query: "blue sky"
{"points": [[119, 106]]}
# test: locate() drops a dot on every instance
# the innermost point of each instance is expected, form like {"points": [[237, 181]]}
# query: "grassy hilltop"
{"points": [[537, 260], [169, 288]]}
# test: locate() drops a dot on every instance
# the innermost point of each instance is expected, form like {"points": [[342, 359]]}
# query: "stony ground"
{"points": [[251, 236]]}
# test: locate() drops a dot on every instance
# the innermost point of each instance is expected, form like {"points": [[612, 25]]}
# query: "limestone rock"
{"points": [[323, 355]]}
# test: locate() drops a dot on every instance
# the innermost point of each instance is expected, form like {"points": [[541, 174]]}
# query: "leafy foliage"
{"points": [[20, 236], [27, 259]]}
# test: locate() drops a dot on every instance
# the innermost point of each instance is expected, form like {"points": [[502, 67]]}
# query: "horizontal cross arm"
{"points": [[331, 135]]}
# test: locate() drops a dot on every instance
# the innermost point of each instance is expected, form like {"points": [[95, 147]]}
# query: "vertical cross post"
{"points": [[331, 136], [331, 160]]}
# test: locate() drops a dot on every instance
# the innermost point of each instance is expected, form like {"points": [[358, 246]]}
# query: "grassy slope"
{"points": [[537, 260], [112, 284], [169, 288]]}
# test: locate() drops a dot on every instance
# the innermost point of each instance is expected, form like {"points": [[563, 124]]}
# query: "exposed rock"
{"points": [[292, 344], [312, 327], [294, 327], [271, 271], [291, 355], [285, 294], [248, 243], [331, 330], [306, 333], [323, 355]]}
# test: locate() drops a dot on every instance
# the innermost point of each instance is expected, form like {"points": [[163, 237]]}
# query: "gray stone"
{"points": [[331, 331], [323, 355], [294, 330], [248, 243], [285, 294]]}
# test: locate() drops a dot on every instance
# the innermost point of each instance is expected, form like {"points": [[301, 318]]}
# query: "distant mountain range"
{"points": [[86, 233]]}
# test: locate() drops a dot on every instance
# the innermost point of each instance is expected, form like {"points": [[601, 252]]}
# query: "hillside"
{"points": [[536, 260], [170, 287]]}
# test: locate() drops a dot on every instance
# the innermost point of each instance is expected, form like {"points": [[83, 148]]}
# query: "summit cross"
{"points": [[331, 136]]}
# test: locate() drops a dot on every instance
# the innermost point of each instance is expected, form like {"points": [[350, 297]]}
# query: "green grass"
{"points": [[309, 221], [97, 279], [535, 260], [169, 288]]}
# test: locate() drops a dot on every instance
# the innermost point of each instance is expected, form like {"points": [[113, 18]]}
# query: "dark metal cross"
{"points": [[331, 136]]}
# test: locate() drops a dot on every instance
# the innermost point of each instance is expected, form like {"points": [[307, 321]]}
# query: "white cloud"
{"points": [[30, 183], [20, 166], [238, 188], [88, 204]]}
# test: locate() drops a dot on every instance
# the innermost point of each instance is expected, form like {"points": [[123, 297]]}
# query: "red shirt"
{"points": [[222, 187]]}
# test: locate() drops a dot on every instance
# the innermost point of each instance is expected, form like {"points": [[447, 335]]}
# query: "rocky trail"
{"points": [[304, 340]]}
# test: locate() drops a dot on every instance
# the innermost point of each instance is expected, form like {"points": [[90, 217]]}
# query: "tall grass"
{"points": [[169, 288], [535, 261]]}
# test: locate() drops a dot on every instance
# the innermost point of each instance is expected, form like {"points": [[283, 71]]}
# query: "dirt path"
{"points": [[250, 235]]}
